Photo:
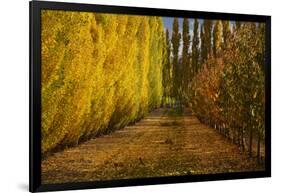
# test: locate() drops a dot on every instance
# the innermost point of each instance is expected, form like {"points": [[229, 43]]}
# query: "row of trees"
{"points": [[102, 71], [99, 73], [178, 70], [220, 75]]}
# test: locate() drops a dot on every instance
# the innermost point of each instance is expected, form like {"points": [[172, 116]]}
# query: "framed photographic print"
{"points": [[123, 96]]}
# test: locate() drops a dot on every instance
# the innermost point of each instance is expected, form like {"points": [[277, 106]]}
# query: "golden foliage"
{"points": [[99, 73]]}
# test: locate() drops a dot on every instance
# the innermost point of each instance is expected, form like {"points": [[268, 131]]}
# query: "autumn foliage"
{"points": [[99, 73], [228, 92]]}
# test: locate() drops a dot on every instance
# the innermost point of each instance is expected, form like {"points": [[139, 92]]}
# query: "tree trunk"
{"points": [[242, 139], [250, 142], [168, 101], [258, 148], [233, 136], [239, 136]]}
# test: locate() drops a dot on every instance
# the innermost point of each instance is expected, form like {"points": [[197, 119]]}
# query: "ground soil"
{"points": [[165, 143]]}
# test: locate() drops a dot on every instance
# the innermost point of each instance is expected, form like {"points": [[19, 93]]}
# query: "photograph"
{"points": [[128, 96]]}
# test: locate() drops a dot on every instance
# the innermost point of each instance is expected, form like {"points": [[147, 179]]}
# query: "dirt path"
{"points": [[159, 145]]}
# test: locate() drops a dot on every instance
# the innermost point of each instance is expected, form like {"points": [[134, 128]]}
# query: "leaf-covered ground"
{"points": [[165, 143]]}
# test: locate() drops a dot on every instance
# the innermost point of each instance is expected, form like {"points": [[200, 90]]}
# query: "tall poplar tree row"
{"points": [[237, 25], [195, 47], [206, 48], [260, 107], [202, 44], [230, 95], [93, 80], [217, 38], [185, 55], [207, 26], [167, 71], [261, 32], [176, 36], [226, 33]]}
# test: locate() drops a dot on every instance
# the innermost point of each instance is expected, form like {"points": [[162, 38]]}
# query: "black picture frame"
{"points": [[35, 95]]}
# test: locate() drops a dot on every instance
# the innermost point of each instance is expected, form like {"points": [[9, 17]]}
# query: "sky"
{"points": [[168, 24]]}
